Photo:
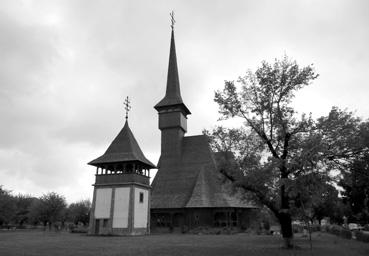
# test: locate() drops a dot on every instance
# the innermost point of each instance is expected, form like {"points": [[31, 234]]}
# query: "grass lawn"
{"points": [[50, 243]]}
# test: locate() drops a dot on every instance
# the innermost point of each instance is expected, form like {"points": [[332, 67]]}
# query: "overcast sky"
{"points": [[66, 67]]}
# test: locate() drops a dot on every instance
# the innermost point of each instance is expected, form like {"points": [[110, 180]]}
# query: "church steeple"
{"points": [[173, 93], [172, 111]]}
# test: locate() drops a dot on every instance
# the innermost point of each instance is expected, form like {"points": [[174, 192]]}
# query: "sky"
{"points": [[67, 66]]}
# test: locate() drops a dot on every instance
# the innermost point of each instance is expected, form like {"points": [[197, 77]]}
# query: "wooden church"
{"points": [[121, 199], [187, 191]]}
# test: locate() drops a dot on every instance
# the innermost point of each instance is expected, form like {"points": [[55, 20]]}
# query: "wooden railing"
{"points": [[121, 178]]}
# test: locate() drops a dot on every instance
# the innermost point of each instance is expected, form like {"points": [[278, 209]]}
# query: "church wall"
{"points": [[117, 210], [173, 119], [121, 207], [200, 217], [184, 219], [140, 208], [171, 142], [103, 203]]}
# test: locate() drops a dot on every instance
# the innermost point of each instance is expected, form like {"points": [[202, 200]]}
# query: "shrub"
{"points": [[345, 233], [339, 231], [79, 230], [334, 229], [71, 227], [204, 230], [366, 227], [315, 228], [361, 236], [297, 228]]}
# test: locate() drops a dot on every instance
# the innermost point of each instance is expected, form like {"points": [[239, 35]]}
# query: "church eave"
{"points": [[165, 104], [103, 160]]}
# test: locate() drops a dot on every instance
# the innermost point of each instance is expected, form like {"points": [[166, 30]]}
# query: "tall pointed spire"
{"points": [[173, 90], [173, 93]]}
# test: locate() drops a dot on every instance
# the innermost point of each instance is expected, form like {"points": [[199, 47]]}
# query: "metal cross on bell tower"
{"points": [[127, 106]]}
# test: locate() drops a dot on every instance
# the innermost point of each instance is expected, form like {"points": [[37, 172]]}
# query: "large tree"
{"points": [[23, 204], [48, 209], [276, 146], [7, 206], [79, 212]]}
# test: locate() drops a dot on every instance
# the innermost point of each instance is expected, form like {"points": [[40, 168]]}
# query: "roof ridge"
{"points": [[199, 179], [130, 138]]}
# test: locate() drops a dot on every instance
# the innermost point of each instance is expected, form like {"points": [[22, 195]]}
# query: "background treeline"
{"points": [[50, 211]]}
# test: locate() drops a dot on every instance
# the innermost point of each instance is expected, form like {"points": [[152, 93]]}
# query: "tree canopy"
{"points": [[79, 212], [277, 149], [48, 209], [7, 206], [19, 210]]}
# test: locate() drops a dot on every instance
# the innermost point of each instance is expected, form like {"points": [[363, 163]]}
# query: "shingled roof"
{"points": [[193, 181], [124, 148]]}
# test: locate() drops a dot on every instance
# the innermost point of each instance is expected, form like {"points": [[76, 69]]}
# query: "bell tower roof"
{"points": [[124, 148], [173, 93]]}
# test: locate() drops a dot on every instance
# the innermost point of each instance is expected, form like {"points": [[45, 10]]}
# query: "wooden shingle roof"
{"points": [[124, 148], [193, 181]]}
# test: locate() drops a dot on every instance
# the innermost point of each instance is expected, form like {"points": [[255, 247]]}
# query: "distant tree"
{"points": [[355, 183], [7, 206], [23, 205], [315, 198], [79, 212], [48, 209], [276, 147]]}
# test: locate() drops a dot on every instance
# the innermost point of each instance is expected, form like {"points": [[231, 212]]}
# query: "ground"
{"points": [[62, 243]]}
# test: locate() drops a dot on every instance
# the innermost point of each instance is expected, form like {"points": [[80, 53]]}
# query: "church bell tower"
{"points": [[121, 200], [171, 109]]}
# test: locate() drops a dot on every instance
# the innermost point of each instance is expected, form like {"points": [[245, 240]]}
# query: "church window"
{"points": [[141, 197]]}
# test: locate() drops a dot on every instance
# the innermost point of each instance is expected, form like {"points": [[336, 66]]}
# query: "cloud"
{"points": [[68, 65], [27, 53]]}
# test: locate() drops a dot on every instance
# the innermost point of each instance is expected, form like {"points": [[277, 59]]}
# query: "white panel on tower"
{"points": [[102, 203], [141, 208], [121, 208]]}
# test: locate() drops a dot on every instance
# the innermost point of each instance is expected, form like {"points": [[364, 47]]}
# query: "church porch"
{"points": [[182, 220]]}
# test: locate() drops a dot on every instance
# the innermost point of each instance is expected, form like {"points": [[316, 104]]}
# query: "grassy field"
{"points": [[50, 243]]}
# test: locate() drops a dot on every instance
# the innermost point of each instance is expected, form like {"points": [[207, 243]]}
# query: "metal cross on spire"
{"points": [[172, 19], [127, 106]]}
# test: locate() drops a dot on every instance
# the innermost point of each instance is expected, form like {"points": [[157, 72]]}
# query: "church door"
{"points": [[97, 227]]}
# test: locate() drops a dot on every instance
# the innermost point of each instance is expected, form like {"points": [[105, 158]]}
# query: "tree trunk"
{"points": [[286, 228], [285, 215]]}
